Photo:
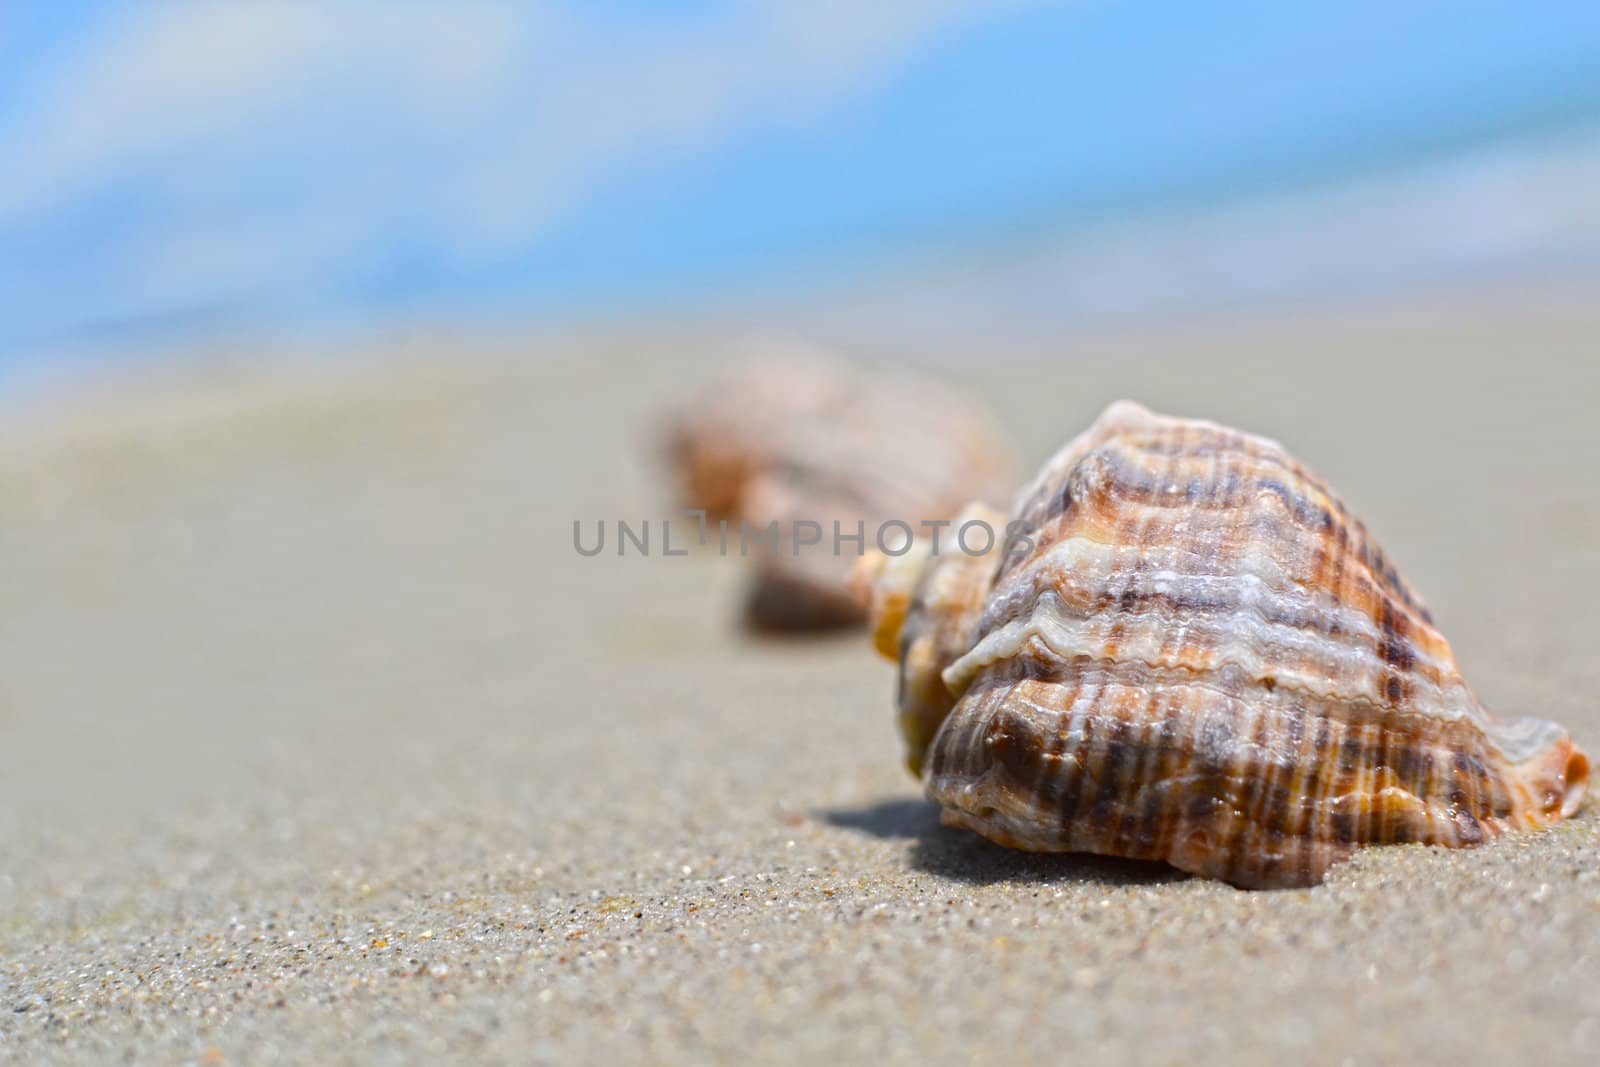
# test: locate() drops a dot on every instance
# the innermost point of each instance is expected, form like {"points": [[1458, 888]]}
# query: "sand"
{"points": [[320, 744]]}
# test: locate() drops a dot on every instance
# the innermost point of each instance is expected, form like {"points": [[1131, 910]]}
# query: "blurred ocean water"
{"points": [[182, 172], [1520, 210]]}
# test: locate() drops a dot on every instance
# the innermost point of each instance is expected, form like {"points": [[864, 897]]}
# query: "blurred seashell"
{"points": [[1188, 650], [802, 439], [738, 426]]}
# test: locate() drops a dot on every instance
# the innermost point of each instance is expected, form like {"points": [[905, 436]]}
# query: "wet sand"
{"points": [[319, 742]]}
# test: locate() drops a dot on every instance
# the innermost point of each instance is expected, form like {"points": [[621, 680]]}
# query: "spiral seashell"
{"points": [[1189, 650], [799, 438]]}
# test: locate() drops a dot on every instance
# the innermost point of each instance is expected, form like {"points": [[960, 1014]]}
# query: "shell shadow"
{"points": [[963, 856]]}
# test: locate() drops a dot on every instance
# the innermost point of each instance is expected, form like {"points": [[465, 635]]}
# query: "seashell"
{"points": [[738, 427], [802, 439], [1189, 650]]}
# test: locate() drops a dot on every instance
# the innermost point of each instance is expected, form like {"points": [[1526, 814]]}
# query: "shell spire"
{"points": [[1187, 649]]}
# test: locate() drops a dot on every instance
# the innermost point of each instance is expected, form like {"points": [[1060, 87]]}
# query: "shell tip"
{"points": [[883, 585], [1576, 783]]}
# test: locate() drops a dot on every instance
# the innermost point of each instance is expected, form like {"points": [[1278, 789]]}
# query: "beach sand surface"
{"points": [[319, 743]]}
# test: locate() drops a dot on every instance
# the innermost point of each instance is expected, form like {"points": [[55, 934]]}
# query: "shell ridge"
{"points": [[1308, 502], [1049, 624]]}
